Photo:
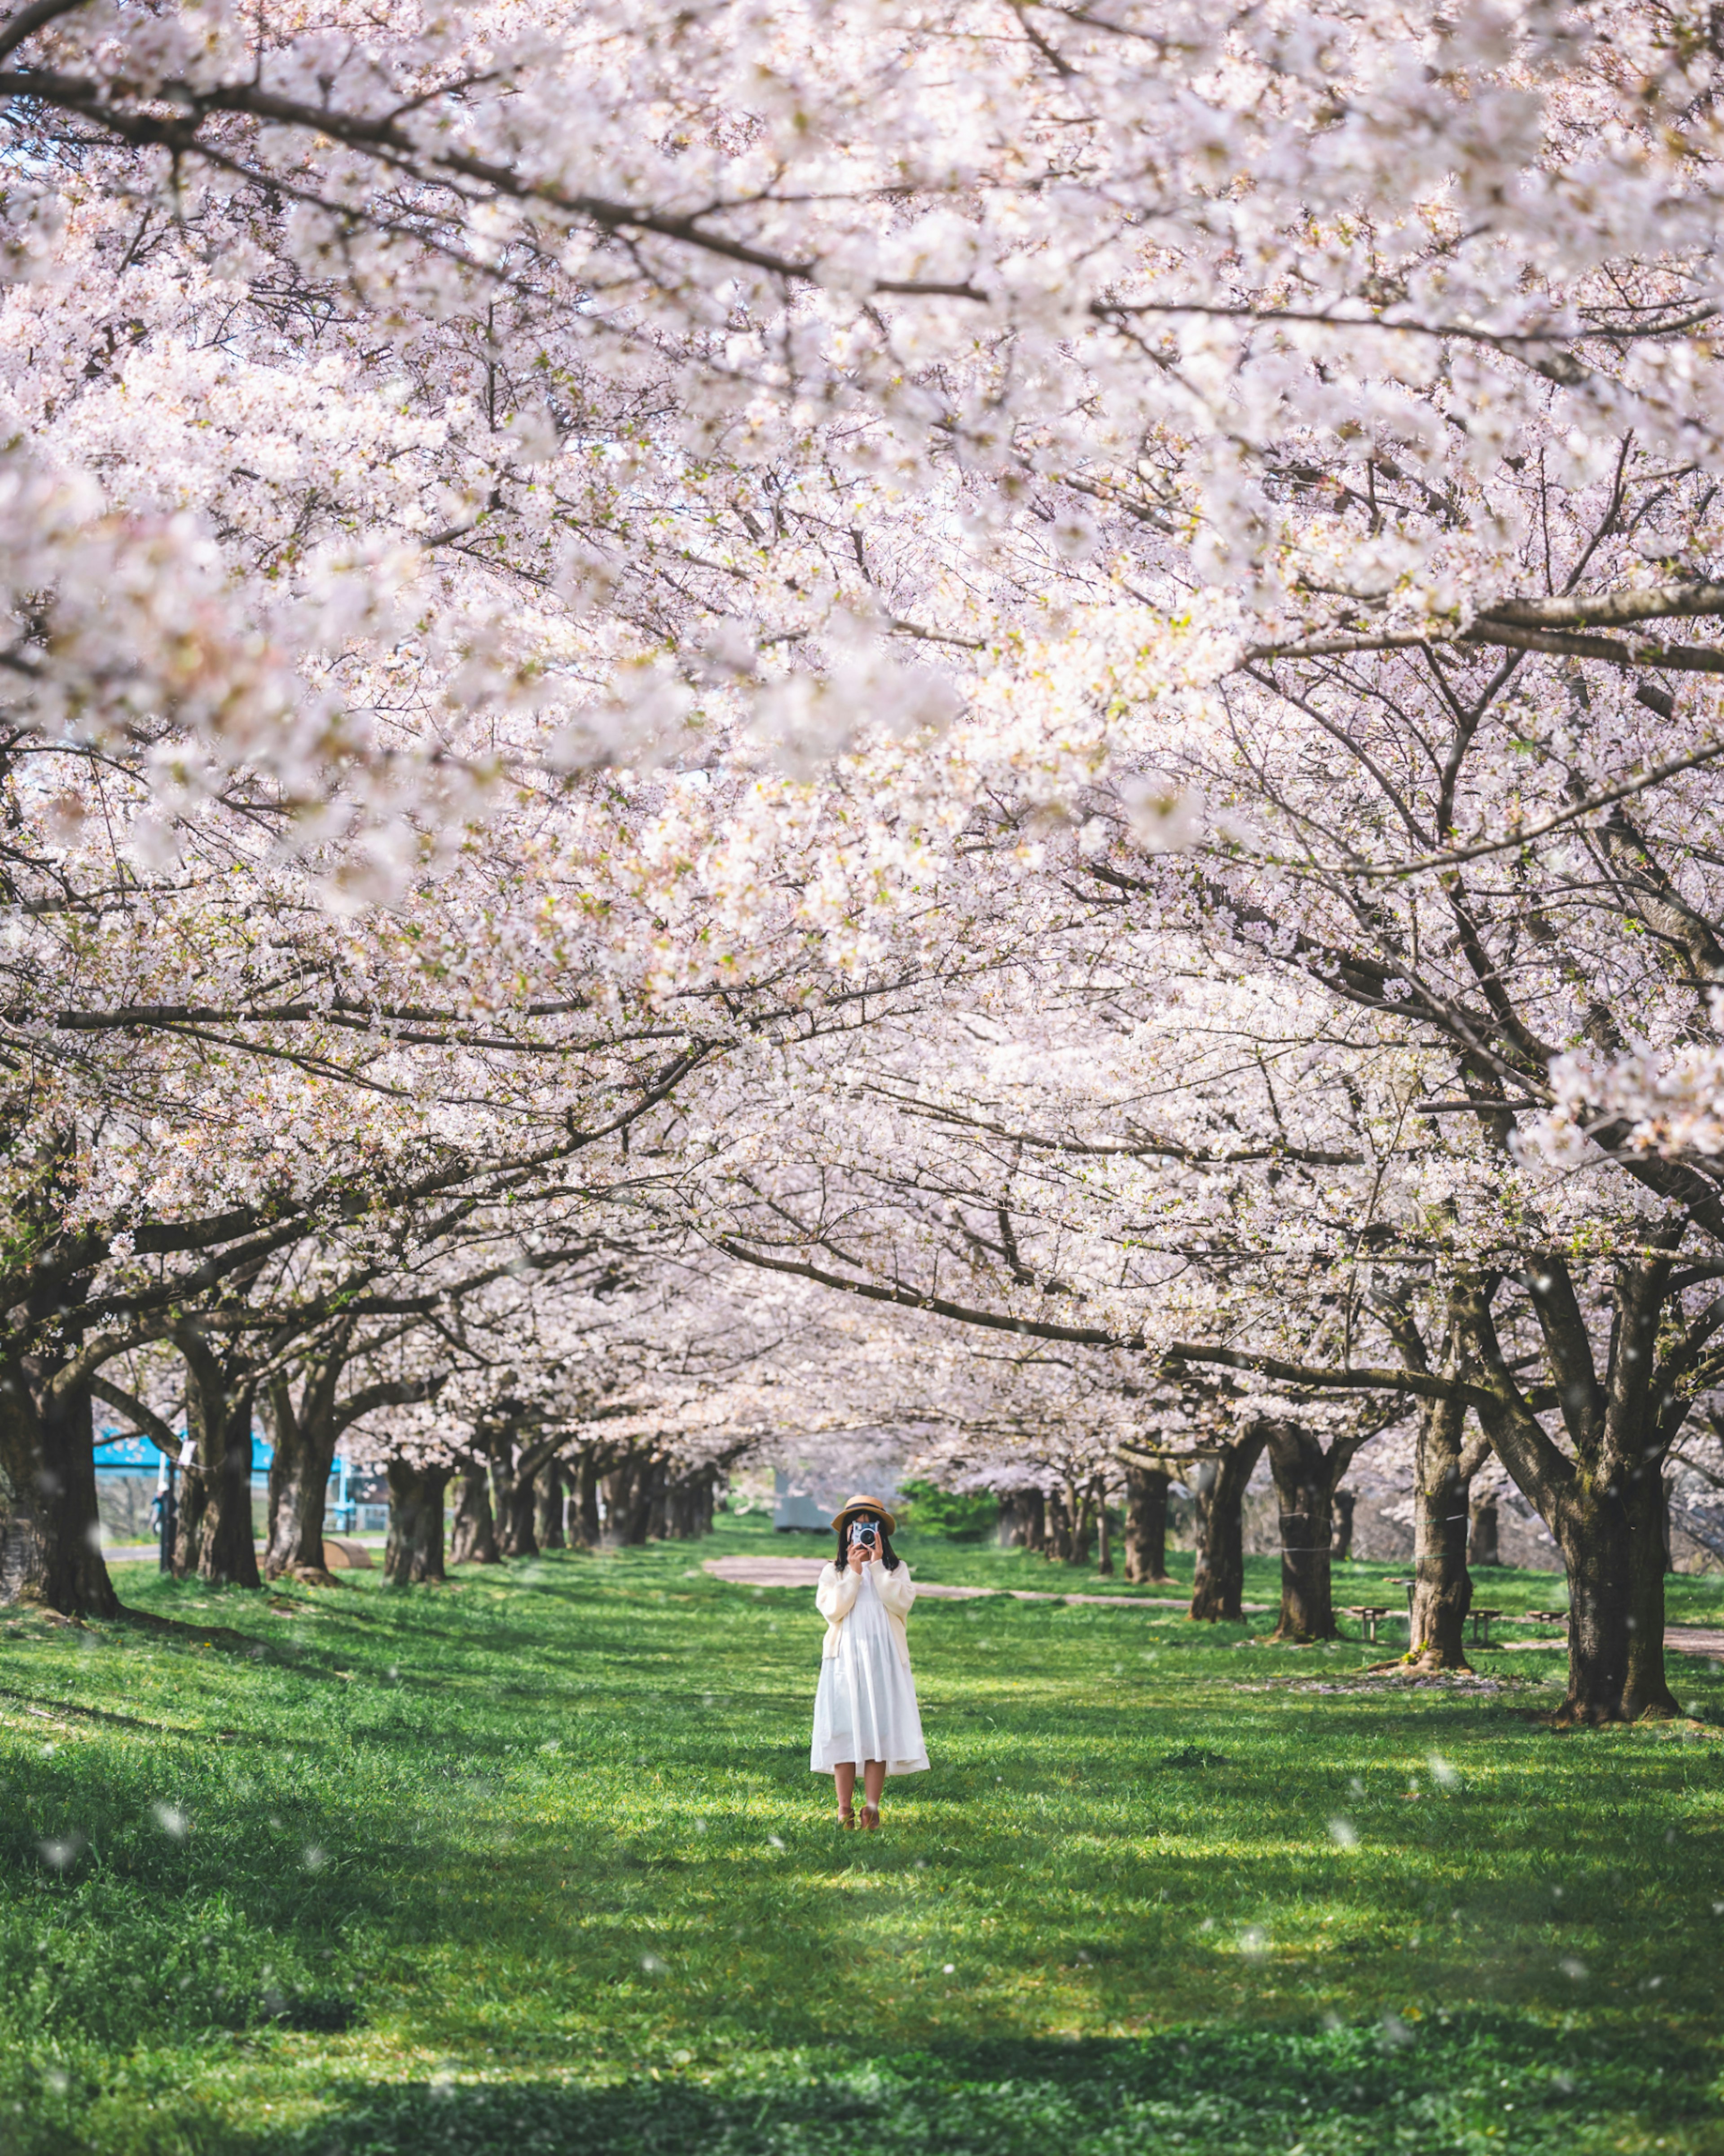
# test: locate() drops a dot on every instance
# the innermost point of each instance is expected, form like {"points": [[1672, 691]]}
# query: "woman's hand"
{"points": [[858, 1556]]}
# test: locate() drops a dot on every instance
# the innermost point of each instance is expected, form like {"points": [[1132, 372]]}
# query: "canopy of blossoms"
{"points": [[691, 697]]}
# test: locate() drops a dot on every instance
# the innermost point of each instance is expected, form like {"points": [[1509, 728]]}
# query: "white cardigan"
{"points": [[835, 1597]]}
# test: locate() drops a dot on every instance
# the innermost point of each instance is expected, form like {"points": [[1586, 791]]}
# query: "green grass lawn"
{"points": [[537, 1865]]}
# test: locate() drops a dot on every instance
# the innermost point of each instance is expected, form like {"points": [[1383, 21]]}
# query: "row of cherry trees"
{"points": [[1068, 698]]}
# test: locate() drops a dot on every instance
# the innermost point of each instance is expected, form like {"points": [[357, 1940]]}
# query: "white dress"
{"points": [[865, 1708]]}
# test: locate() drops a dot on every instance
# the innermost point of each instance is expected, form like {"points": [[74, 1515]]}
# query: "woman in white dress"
{"points": [[865, 1713]]}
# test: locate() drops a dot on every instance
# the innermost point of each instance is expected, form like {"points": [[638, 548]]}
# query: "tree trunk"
{"points": [[1302, 1472], [215, 1538], [1647, 1692], [50, 1528], [702, 1498], [1146, 1524], [1104, 1539], [1593, 1531], [1482, 1548], [658, 1490], [1218, 1486], [227, 1544], [614, 1488], [1341, 1543], [1603, 1506], [414, 1553], [588, 1502], [628, 1499], [688, 1505], [1081, 1511], [188, 1522], [1056, 1543], [548, 1488], [474, 1538], [299, 1489], [1442, 1589], [513, 1496]]}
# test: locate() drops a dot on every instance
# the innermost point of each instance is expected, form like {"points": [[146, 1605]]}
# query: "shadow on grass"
{"points": [[1480, 2081]]}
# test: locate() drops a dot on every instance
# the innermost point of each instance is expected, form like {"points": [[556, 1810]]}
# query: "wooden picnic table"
{"points": [[1481, 1618], [1370, 1615]]}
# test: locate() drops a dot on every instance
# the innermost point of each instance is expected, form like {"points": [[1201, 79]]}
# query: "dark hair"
{"points": [[849, 1521]]}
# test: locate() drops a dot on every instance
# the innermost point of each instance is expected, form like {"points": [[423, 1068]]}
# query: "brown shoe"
{"points": [[870, 1818], [846, 1816]]}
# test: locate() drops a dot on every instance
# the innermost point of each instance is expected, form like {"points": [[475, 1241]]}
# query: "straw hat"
{"points": [[866, 1505]]}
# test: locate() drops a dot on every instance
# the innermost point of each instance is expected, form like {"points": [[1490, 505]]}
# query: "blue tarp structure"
{"points": [[129, 1454]]}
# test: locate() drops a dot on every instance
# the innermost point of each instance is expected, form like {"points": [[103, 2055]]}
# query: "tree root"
{"points": [[1430, 1662], [27, 1606]]}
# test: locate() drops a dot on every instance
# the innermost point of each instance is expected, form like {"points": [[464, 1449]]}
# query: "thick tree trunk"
{"points": [[688, 1505], [548, 1488], [1647, 1691], [1594, 1531], [698, 1492], [658, 1501], [628, 1499], [1442, 1589], [1056, 1542], [50, 1529], [1604, 1505], [1218, 1486], [1023, 1522], [215, 1538], [227, 1548], [473, 1539], [1482, 1546], [586, 1502], [1146, 1524], [299, 1491], [1302, 1474], [1340, 1542], [513, 1496], [193, 1497], [414, 1553]]}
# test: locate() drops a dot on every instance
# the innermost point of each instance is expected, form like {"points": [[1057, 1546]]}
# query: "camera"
{"points": [[865, 1533]]}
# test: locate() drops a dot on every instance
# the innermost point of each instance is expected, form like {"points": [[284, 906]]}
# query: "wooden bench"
{"points": [[1481, 1624], [1370, 1615]]}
